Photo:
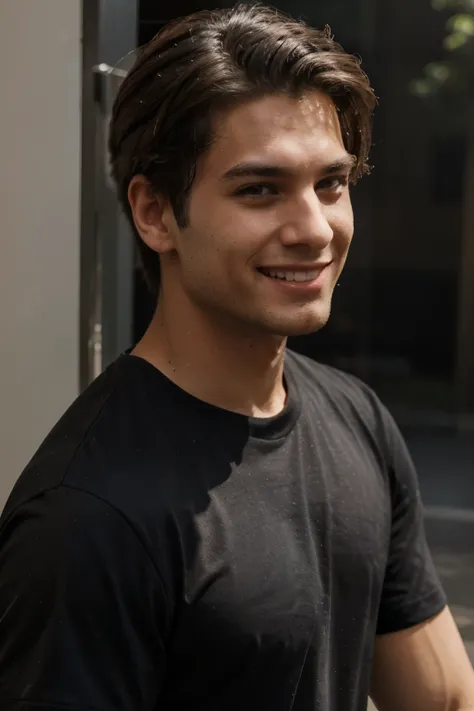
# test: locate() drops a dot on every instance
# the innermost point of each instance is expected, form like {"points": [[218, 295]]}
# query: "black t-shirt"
{"points": [[159, 553]]}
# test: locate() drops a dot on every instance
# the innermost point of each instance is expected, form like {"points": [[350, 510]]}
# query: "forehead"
{"points": [[281, 129]]}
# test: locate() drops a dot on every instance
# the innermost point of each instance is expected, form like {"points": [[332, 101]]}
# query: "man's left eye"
{"points": [[333, 183]]}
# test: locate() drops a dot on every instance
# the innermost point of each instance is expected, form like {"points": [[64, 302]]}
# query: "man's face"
{"points": [[270, 218]]}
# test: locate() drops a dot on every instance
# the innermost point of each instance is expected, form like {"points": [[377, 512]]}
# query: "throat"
{"points": [[240, 375]]}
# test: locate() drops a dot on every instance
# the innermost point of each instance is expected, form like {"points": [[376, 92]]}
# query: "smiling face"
{"points": [[269, 219]]}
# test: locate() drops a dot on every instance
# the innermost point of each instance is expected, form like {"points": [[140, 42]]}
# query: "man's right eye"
{"points": [[257, 190]]}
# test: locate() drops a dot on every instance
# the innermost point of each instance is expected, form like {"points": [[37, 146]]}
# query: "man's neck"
{"points": [[241, 373]]}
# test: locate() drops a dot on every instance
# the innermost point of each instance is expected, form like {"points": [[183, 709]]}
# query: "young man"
{"points": [[217, 523]]}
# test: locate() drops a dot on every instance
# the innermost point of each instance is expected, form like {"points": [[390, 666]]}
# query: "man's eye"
{"points": [[257, 190], [333, 183]]}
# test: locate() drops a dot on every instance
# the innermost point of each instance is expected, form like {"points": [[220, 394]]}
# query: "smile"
{"points": [[298, 276]]}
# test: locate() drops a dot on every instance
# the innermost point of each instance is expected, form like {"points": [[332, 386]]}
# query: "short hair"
{"points": [[211, 61]]}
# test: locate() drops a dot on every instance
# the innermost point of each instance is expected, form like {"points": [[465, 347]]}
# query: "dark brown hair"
{"points": [[208, 61]]}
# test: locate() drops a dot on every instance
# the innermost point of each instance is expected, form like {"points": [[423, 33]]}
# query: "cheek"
{"points": [[207, 259], [342, 223], [231, 234]]}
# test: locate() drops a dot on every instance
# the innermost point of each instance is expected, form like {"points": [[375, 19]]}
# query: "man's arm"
{"points": [[82, 611], [423, 668], [420, 663]]}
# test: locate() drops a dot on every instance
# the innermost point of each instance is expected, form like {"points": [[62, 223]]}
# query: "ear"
{"points": [[153, 216]]}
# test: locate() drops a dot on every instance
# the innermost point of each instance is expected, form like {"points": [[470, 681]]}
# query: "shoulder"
{"points": [[66, 534], [49, 465], [101, 478], [346, 401], [334, 387], [96, 444]]}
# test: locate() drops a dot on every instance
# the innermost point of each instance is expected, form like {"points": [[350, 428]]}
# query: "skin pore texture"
{"points": [[269, 227]]}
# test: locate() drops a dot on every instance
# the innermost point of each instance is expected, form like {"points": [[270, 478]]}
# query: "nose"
{"points": [[307, 224]]}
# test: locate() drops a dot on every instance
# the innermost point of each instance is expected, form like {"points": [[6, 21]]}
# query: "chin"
{"points": [[302, 325], [307, 330]]}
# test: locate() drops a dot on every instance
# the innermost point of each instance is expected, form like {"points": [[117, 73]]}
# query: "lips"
{"points": [[293, 275]]}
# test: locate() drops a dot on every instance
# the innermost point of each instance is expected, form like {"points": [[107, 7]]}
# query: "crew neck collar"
{"points": [[263, 428]]}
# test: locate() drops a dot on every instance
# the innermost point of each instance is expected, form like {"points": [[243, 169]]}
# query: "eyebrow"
{"points": [[257, 169]]}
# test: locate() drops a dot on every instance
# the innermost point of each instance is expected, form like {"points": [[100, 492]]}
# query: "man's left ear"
{"points": [[152, 215]]}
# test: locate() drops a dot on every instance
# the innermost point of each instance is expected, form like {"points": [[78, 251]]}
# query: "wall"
{"points": [[40, 56]]}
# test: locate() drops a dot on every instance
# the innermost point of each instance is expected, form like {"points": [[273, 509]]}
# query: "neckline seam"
{"points": [[256, 426]]}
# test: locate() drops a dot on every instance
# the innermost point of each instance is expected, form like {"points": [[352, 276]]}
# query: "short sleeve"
{"points": [[82, 610], [412, 592]]}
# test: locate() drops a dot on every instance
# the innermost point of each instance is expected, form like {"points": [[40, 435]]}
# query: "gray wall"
{"points": [[40, 57]]}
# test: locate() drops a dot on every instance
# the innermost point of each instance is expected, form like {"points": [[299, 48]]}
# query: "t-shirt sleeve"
{"points": [[412, 592], [83, 614]]}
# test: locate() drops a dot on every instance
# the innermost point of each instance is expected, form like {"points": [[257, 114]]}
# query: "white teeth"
{"points": [[293, 276]]}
